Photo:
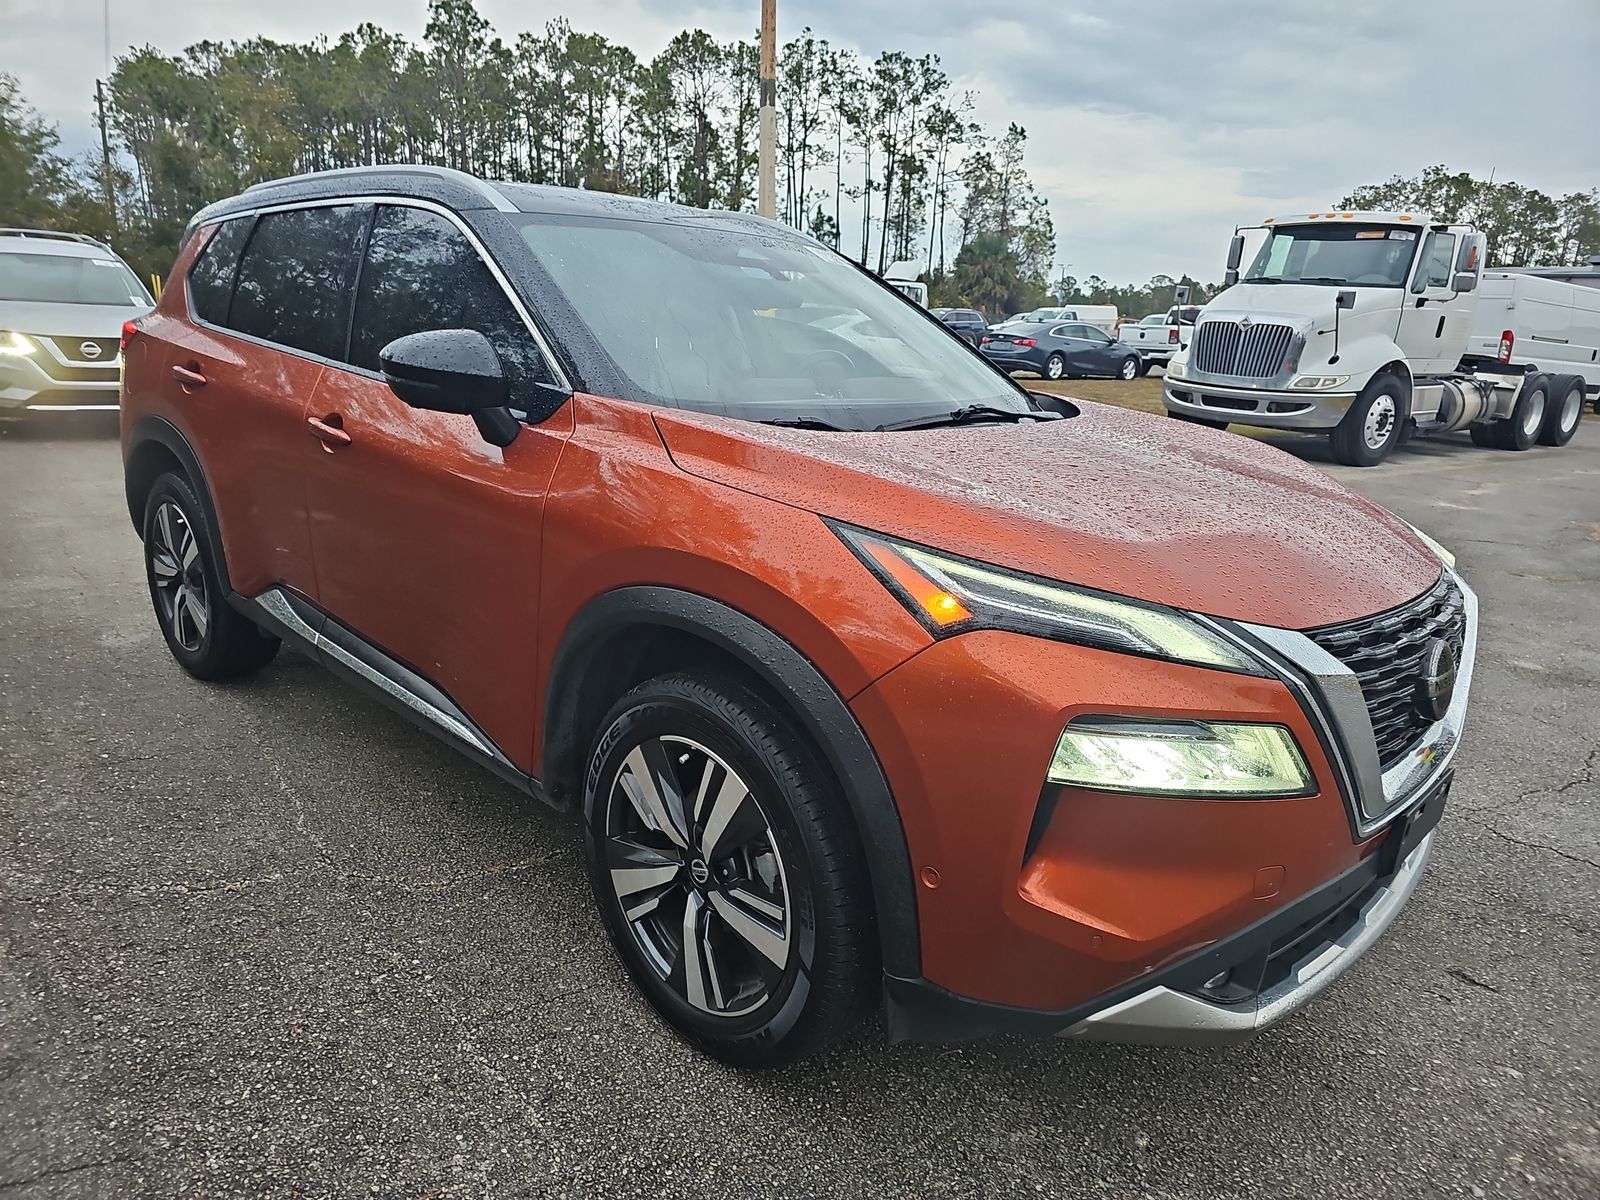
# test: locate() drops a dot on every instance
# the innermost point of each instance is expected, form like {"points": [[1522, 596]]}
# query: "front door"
{"points": [[1433, 317], [426, 537]]}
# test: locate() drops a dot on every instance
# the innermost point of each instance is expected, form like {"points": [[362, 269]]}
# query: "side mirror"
{"points": [[1345, 299], [1230, 277], [1464, 281], [1235, 251], [452, 371]]}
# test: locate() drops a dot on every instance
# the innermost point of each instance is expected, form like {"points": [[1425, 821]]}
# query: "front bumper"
{"points": [[46, 382], [1089, 914], [1317, 412]]}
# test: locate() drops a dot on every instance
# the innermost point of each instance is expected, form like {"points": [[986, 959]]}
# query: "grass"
{"points": [[1142, 394]]}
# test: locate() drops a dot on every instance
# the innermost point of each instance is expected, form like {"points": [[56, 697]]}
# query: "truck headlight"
{"points": [[1181, 758], [1318, 383], [15, 345], [952, 595], [1176, 368]]}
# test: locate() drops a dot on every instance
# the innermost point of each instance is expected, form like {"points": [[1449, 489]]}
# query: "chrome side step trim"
{"points": [[299, 622]]}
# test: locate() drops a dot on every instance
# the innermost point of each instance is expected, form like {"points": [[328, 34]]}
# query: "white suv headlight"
{"points": [[15, 345]]}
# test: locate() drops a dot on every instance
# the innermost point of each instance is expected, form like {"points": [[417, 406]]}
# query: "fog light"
{"points": [[1180, 758]]}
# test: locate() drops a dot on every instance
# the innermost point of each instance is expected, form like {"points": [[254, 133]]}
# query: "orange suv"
{"points": [[876, 680]]}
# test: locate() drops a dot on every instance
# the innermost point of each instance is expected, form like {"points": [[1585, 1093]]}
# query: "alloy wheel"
{"points": [[1533, 418], [180, 582], [1380, 421], [697, 875], [1571, 409], [1130, 369]]}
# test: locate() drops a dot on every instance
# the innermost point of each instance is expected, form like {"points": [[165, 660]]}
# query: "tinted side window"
{"points": [[211, 277], [294, 279], [421, 273]]}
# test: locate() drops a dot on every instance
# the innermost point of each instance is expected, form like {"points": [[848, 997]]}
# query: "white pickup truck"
{"points": [[1159, 336]]}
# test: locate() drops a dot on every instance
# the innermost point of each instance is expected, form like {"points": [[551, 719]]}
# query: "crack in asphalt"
{"points": [[1526, 845], [57, 1172]]}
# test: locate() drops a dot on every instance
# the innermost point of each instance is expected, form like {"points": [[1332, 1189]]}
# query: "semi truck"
{"points": [[1375, 326]]}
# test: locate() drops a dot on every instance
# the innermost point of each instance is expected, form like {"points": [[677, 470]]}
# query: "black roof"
{"points": [[464, 193]]}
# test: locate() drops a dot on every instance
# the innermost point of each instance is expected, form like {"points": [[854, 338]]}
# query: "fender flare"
{"points": [[148, 430], [812, 700]]}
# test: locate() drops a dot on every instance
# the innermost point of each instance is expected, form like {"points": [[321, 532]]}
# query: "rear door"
{"points": [[427, 538], [269, 297]]}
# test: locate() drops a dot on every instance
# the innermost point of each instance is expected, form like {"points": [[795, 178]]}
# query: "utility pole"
{"points": [[767, 178], [105, 151]]}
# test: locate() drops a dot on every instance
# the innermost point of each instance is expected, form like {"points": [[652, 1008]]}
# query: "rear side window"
{"points": [[211, 278], [422, 273], [294, 279]]}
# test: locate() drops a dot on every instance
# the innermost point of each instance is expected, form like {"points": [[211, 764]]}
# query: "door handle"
{"points": [[189, 377], [331, 435]]}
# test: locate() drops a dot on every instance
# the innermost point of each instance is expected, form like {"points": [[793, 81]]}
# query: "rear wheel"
{"points": [[206, 635], [1129, 367], [1055, 367], [730, 882], [1521, 429], [1371, 429], [1563, 410]]}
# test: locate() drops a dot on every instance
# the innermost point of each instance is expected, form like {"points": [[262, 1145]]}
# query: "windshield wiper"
{"points": [[1323, 279], [964, 416], [807, 423], [1260, 279]]}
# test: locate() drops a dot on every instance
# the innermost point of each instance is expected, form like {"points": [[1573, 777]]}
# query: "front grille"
{"points": [[109, 374], [72, 348], [1387, 654], [1252, 351]]}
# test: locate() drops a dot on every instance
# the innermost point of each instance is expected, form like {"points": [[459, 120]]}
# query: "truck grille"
{"points": [[1253, 351], [1387, 654]]}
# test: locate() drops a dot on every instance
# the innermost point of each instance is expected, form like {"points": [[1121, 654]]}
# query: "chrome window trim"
{"points": [[482, 251], [1330, 696]]}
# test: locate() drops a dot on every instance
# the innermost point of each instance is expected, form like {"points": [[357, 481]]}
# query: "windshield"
{"points": [[757, 327], [1335, 256], [70, 279]]}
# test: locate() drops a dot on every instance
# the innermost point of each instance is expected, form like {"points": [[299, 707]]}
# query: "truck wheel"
{"points": [[1521, 429], [1563, 411], [1482, 435], [1371, 429], [1197, 420], [1055, 367]]}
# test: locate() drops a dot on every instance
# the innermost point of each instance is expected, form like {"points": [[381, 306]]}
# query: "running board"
{"points": [[347, 654]]}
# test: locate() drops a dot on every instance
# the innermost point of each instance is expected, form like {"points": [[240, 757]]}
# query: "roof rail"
{"points": [[53, 236], [486, 190]]}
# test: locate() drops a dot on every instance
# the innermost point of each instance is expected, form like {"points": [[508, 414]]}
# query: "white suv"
{"points": [[63, 299]]}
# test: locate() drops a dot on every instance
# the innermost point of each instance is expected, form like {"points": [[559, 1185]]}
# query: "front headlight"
{"points": [[1318, 383], [1181, 758], [1176, 368], [1445, 556], [952, 595], [15, 345]]}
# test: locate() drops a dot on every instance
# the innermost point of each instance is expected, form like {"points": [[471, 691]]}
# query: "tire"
{"points": [[1371, 429], [1563, 410], [1482, 435], [1055, 367], [1521, 429], [1129, 368], [206, 635], [1209, 424], [785, 957]]}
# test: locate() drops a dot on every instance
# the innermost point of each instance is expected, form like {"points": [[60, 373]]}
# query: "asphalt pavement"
{"points": [[269, 940]]}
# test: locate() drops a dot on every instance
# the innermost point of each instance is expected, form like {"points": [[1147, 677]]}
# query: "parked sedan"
{"points": [[968, 322], [1060, 351]]}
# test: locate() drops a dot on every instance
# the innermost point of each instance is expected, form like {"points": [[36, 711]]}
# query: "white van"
{"points": [[1550, 324], [1101, 316]]}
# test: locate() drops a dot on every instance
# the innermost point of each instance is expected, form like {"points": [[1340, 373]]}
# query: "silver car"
{"points": [[63, 299]]}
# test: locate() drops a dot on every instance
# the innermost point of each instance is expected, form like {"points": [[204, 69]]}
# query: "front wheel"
{"points": [[1371, 429], [1129, 367], [1055, 367], [728, 877]]}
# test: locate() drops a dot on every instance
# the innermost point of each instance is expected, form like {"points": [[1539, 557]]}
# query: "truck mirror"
{"points": [[1230, 277], [1183, 294], [1235, 251], [1464, 281], [1345, 299]]}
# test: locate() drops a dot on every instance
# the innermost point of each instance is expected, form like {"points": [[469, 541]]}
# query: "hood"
{"points": [[68, 320], [1125, 502], [1293, 303]]}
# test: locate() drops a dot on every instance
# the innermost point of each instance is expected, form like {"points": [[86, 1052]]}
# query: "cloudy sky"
{"points": [[1154, 125]]}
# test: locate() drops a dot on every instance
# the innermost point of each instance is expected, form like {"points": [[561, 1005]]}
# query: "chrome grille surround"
{"points": [[1242, 349]]}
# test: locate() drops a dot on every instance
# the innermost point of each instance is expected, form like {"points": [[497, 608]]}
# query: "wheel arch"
{"points": [[630, 634], [156, 446]]}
